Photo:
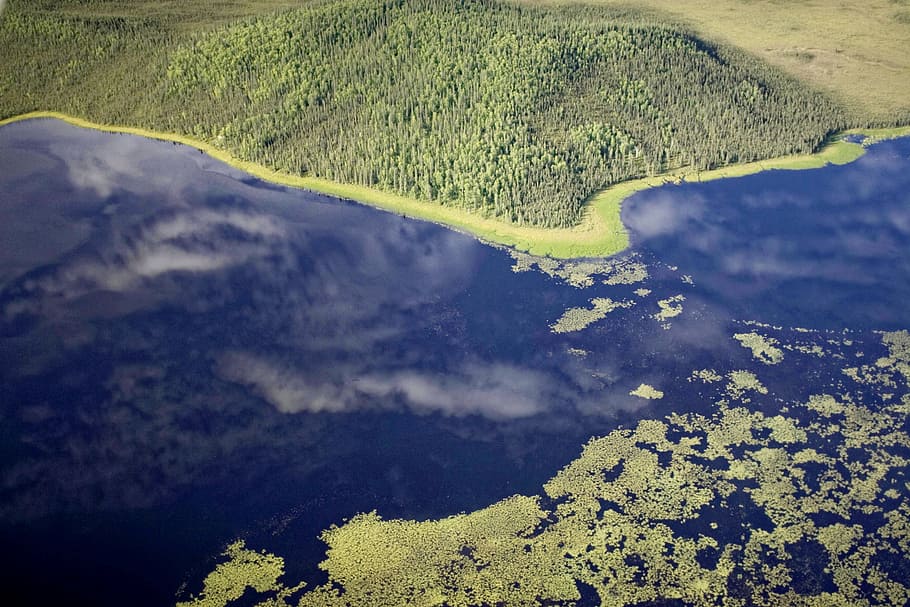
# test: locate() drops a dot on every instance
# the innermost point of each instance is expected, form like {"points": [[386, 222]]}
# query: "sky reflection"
{"points": [[179, 340], [194, 296], [822, 238]]}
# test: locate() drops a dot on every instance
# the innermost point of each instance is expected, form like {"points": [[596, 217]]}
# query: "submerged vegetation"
{"points": [[583, 274], [647, 391], [739, 507], [763, 348], [514, 113], [577, 319], [670, 307]]}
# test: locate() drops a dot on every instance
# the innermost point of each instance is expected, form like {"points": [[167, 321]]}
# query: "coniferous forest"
{"points": [[514, 112]]}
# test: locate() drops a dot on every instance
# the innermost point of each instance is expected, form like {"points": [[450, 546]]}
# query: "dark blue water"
{"points": [[824, 248], [189, 355]]}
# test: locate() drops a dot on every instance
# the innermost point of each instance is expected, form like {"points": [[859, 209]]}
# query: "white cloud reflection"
{"points": [[327, 309], [497, 391], [189, 241], [666, 211]]}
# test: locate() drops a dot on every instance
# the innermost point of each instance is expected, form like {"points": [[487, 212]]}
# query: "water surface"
{"points": [[189, 355]]}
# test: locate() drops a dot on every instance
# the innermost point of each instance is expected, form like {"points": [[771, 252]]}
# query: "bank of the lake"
{"points": [[599, 234]]}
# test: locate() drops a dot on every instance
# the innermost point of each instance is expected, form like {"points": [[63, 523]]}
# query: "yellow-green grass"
{"points": [[856, 50], [599, 234], [875, 135]]}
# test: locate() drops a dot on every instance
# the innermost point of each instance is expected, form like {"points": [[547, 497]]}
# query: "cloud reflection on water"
{"points": [[203, 328], [777, 238], [498, 391]]}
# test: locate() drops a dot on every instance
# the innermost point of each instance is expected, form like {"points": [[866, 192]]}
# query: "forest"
{"points": [[513, 112]]}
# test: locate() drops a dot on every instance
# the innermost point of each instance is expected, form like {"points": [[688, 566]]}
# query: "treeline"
{"points": [[513, 112]]}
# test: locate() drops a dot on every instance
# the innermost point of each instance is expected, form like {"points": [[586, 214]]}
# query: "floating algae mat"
{"points": [[218, 391], [739, 508]]}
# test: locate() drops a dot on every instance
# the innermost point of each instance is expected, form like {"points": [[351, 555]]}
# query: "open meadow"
{"points": [[856, 50]]}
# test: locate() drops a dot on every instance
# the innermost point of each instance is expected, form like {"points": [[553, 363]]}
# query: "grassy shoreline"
{"points": [[599, 234]]}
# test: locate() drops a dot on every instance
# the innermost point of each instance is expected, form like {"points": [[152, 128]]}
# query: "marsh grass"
{"points": [[856, 50]]}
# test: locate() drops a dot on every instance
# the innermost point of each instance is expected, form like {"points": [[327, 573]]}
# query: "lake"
{"points": [[190, 355]]}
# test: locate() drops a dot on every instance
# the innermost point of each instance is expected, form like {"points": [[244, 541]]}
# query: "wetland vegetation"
{"points": [[857, 52], [698, 510]]}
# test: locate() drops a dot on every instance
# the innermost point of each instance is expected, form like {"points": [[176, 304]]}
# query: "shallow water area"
{"points": [[189, 355]]}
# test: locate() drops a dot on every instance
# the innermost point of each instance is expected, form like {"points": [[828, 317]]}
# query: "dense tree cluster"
{"points": [[513, 112]]}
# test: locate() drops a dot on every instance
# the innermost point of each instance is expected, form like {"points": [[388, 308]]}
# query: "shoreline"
{"points": [[600, 233]]}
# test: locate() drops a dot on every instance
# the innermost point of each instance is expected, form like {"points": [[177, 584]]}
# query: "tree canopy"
{"points": [[516, 113]]}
